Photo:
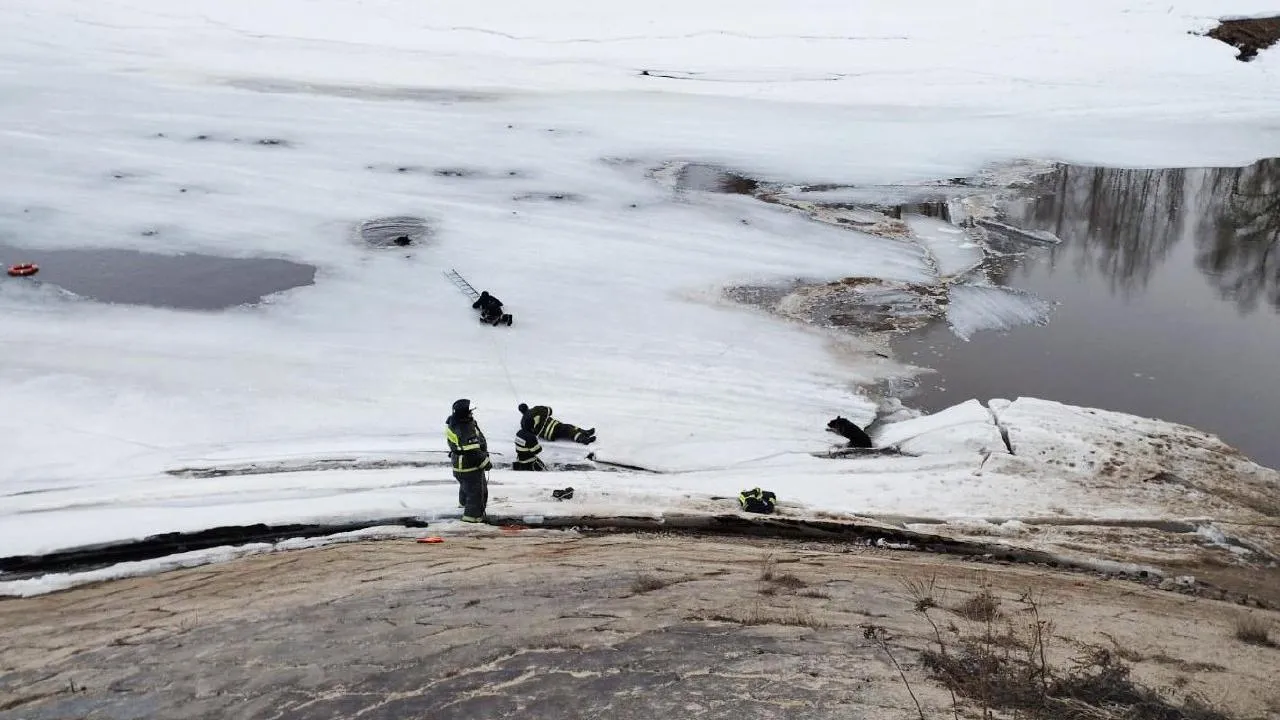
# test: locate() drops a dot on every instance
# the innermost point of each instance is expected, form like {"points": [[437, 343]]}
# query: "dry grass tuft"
{"points": [[645, 582], [1253, 630], [923, 592], [982, 607], [789, 581], [767, 567], [758, 615]]}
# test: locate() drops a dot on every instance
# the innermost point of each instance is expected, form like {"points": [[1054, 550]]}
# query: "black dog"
{"points": [[856, 436]]}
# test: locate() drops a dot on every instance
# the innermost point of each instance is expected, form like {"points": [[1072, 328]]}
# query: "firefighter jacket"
{"points": [[468, 449]]}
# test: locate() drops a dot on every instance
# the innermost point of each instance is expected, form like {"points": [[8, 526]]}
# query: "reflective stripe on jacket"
{"points": [[527, 447], [468, 449]]}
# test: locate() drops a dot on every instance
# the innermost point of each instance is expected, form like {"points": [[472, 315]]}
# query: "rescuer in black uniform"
{"points": [[469, 456]]}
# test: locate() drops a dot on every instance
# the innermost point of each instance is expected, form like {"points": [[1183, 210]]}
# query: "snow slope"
{"points": [[616, 289]]}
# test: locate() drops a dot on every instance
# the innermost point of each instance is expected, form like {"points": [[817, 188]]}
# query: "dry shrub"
{"points": [[982, 607], [758, 615], [788, 581], [645, 582], [1002, 671], [767, 565], [1253, 630], [923, 592]]}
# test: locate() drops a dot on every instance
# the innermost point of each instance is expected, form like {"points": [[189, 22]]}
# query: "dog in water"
{"points": [[845, 428]]}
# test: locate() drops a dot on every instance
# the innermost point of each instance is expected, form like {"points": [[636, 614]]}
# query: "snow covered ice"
{"points": [[522, 136]]}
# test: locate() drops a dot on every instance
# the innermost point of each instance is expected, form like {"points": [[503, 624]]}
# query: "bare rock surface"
{"points": [[568, 626]]}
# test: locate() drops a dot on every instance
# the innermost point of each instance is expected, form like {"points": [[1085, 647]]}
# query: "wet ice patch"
{"points": [[1004, 238], [363, 91], [985, 307], [869, 305], [876, 195], [211, 137], [396, 169], [953, 252], [683, 177], [395, 231], [548, 196], [448, 171]]}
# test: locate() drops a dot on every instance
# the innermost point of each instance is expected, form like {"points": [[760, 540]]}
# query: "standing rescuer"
{"points": [[469, 455]]}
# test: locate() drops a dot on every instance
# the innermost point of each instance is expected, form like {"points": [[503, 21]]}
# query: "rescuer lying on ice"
{"points": [[490, 309], [547, 427], [527, 447]]}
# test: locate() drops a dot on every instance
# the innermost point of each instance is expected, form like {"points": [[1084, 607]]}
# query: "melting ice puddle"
{"points": [[1168, 291], [187, 282], [709, 178]]}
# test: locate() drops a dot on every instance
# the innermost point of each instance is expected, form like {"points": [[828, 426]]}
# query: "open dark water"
{"points": [[188, 282], [1168, 291]]}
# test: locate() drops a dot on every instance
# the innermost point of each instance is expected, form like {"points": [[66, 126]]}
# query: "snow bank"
{"points": [[967, 426]]}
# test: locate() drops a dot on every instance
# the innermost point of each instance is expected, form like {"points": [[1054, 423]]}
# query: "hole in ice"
{"points": [[709, 178], [185, 282], [396, 231], [1248, 35]]}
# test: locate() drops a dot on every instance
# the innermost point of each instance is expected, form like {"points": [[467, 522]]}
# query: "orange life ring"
{"points": [[23, 270]]}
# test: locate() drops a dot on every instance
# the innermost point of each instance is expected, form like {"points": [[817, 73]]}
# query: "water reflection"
{"points": [[1241, 256], [1166, 285], [1123, 224]]}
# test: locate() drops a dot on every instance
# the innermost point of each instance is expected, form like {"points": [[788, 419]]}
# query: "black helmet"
{"points": [[522, 408], [462, 407]]}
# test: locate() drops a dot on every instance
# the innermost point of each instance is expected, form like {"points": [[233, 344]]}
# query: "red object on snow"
{"points": [[432, 539], [23, 270]]}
